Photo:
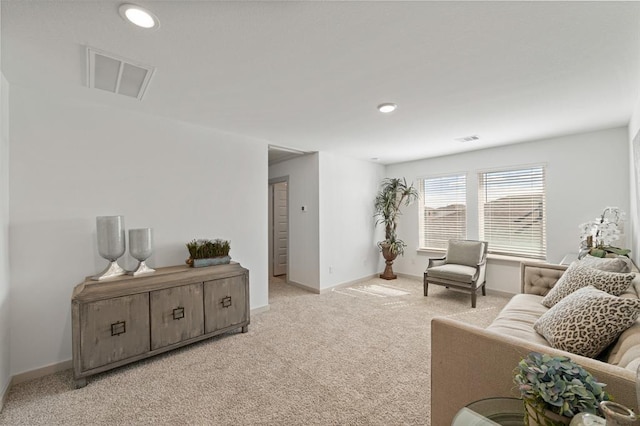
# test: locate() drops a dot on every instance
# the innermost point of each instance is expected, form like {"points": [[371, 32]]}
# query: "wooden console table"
{"points": [[126, 319]]}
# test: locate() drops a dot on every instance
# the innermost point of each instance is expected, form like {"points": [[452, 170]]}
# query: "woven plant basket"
{"points": [[536, 415]]}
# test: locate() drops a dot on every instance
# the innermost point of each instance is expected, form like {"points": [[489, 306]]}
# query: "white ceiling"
{"points": [[308, 75]]}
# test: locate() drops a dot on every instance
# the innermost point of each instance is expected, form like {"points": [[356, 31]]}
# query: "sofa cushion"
{"points": [[608, 264], [460, 273], [462, 252], [634, 289], [578, 276], [631, 359], [587, 321], [516, 319], [625, 351]]}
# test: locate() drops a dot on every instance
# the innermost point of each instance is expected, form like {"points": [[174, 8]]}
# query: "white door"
{"points": [[280, 228]]}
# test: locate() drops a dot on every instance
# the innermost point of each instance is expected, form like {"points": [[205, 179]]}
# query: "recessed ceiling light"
{"points": [[138, 16], [374, 159], [387, 107]]}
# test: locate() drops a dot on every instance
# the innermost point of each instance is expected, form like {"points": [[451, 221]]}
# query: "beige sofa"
{"points": [[469, 363]]}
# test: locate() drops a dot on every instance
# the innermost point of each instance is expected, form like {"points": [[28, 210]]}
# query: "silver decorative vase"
{"points": [[140, 248], [111, 244]]}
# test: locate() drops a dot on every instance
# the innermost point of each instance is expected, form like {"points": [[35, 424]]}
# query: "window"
{"points": [[511, 206], [443, 210]]}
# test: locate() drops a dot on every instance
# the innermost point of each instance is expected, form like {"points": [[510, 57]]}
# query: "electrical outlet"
{"points": [[331, 269]]}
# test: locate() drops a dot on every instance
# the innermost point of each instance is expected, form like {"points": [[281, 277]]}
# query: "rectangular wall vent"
{"points": [[468, 138], [108, 72]]}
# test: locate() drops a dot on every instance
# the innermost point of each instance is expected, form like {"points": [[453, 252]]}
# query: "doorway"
{"points": [[278, 229]]}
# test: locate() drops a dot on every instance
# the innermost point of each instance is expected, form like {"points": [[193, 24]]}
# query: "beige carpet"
{"points": [[353, 356]]}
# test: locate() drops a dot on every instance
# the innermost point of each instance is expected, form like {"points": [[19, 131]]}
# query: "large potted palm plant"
{"points": [[393, 193]]}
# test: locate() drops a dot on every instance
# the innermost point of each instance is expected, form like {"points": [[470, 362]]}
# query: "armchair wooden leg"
{"points": [[484, 291], [473, 298], [426, 288]]}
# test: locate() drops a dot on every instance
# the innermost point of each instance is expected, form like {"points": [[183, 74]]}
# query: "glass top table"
{"points": [[491, 412]]}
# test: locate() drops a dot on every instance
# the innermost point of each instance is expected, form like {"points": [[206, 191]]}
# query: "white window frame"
{"points": [[459, 196], [526, 236]]}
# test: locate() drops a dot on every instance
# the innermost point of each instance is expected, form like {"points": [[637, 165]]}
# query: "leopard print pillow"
{"points": [[578, 276], [587, 321]]}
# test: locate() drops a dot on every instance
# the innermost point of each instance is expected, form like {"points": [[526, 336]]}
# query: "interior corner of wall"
{"points": [[634, 121]]}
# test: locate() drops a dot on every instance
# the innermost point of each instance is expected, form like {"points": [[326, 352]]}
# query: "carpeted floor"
{"points": [[357, 355]]}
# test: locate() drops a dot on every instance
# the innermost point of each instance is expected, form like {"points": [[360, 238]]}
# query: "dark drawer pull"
{"points": [[118, 328], [226, 302], [178, 313]]}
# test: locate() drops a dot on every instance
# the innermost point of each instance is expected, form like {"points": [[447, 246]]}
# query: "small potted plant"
{"points": [[554, 389], [204, 252]]}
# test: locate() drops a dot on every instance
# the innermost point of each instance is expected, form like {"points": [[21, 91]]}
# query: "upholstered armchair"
{"points": [[462, 268]]}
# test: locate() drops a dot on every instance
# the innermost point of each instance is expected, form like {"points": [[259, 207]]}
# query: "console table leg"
{"points": [[81, 382], [245, 329]]}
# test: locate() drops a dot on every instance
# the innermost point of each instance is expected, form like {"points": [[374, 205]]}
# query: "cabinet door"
{"points": [[176, 315], [114, 329], [225, 302]]}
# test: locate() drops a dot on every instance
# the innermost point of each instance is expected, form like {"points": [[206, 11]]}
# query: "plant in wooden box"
{"points": [[208, 252], [393, 193], [554, 389]]}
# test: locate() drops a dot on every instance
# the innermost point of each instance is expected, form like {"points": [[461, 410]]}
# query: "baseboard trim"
{"points": [[345, 284], [41, 372], [410, 277], [489, 290], [304, 287], [260, 310], [4, 394], [64, 365], [500, 293], [328, 289], [348, 283]]}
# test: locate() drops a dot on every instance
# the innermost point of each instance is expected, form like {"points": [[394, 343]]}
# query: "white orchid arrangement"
{"points": [[601, 232]]}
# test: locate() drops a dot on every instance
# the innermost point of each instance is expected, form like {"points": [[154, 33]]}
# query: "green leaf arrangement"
{"points": [[558, 384], [204, 249], [602, 251]]}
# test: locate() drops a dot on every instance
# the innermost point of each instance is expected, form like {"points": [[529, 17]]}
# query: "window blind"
{"points": [[512, 211], [444, 210]]}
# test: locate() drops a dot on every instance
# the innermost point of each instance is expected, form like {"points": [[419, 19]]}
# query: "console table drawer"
{"points": [[225, 302], [114, 329], [176, 315]]}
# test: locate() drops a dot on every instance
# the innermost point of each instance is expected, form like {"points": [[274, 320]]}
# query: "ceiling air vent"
{"points": [[468, 138], [117, 75]]}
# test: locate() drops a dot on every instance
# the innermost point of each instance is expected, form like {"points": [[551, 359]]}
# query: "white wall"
{"points": [[304, 243], [5, 295], [5, 343], [71, 162], [585, 173], [348, 239]]}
